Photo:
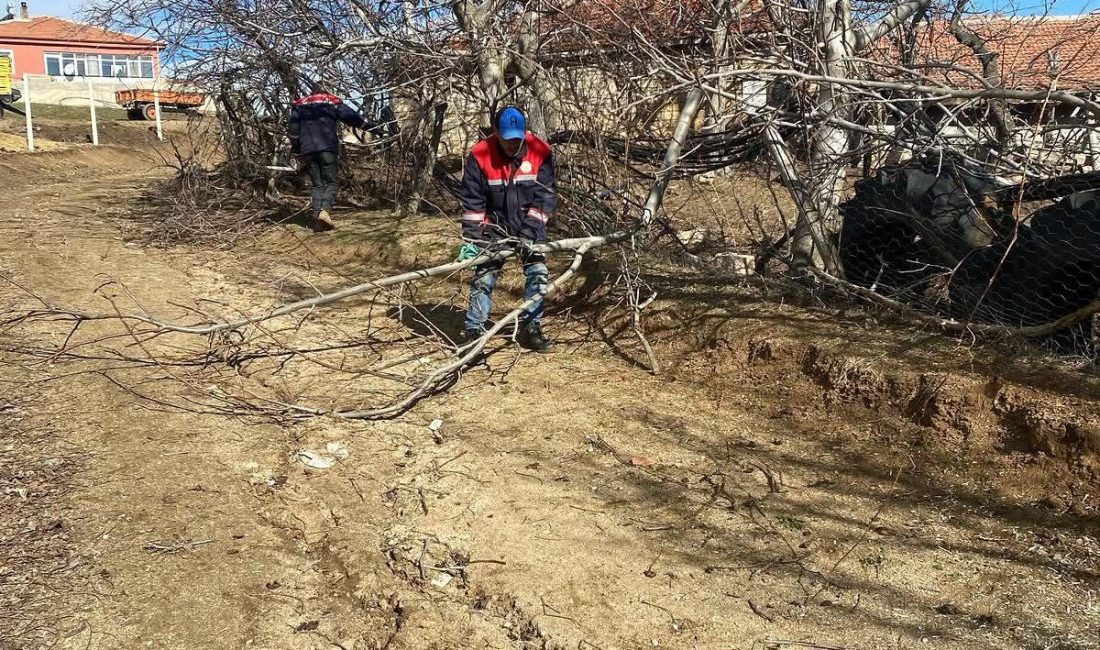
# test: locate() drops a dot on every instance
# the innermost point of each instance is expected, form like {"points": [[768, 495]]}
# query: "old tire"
{"points": [[149, 112]]}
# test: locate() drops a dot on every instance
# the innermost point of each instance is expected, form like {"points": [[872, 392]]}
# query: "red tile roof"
{"points": [[589, 20], [587, 25], [1031, 49], [1032, 52], [48, 28], [611, 23]]}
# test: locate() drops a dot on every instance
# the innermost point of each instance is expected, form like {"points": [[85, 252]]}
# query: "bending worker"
{"points": [[315, 137], [508, 193]]}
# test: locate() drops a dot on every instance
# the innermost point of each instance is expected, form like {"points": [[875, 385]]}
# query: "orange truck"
{"points": [[140, 105]]}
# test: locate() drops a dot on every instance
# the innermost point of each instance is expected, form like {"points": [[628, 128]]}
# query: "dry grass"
{"points": [[10, 143]]}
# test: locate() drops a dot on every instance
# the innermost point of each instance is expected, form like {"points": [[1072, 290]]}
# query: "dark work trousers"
{"points": [[324, 173]]}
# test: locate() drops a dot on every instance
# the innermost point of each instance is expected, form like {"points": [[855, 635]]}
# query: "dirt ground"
{"points": [[50, 132], [800, 475]]}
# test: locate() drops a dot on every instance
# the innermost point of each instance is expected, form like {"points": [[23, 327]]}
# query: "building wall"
{"points": [[30, 58], [45, 89], [460, 125]]}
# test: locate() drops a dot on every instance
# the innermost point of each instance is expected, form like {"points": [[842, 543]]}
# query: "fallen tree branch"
{"points": [[960, 327], [468, 354], [441, 377]]}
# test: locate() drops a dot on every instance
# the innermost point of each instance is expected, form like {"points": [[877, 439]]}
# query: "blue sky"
{"points": [[69, 8], [1054, 7], [63, 8]]}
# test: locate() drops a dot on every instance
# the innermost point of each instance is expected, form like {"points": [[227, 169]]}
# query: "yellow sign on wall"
{"points": [[5, 75]]}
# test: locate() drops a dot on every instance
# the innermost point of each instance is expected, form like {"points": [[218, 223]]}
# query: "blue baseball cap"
{"points": [[511, 124]]}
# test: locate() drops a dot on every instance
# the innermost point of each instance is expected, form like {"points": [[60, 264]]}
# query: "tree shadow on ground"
{"points": [[721, 499], [430, 320], [291, 215]]}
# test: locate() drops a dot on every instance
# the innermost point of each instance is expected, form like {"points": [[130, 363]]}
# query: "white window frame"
{"points": [[129, 58], [46, 64]]}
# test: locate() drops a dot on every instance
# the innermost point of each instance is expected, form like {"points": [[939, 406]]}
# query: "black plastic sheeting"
{"points": [[945, 239]]}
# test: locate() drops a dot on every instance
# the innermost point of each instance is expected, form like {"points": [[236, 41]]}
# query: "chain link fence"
{"points": [[954, 242], [947, 236]]}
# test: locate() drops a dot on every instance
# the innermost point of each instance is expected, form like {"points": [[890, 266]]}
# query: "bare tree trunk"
{"points": [[781, 158], [692, 103], [491, 57], [991, 71], [812, 245], [491, 66], [426, 162], [720, 55], [546, 94]]}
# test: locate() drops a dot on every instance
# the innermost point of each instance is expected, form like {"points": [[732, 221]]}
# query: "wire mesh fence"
{"points": [[954, 242], [943, 235]]}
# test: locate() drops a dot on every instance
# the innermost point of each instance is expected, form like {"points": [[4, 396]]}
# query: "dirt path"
{"points": [[752, 497]]}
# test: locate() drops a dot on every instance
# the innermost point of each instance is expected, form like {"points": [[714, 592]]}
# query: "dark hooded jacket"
{"points": [[314, 122], [504, 196]]}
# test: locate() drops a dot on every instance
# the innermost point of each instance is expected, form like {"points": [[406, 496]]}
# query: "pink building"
{"points": [[68, 51]]}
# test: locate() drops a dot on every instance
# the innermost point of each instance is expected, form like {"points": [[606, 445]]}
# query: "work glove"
{"points": [[468, 251]]}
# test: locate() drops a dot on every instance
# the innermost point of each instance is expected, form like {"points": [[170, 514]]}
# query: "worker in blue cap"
{"points": [[508, 194]]}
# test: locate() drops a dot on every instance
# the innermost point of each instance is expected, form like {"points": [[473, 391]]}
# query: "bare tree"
{"points": [[653, 74]]}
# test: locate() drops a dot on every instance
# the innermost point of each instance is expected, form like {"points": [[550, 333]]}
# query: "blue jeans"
{"points": [[485, 278]]}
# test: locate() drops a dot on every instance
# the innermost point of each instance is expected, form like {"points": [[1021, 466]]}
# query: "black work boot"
{"points": [[534, 339], [467, 338]]}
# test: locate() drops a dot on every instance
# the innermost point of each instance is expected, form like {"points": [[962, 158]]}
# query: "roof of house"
{"points": [[1032, 52], [578, 27], [50, 29], [598, 19], [609, 23]]}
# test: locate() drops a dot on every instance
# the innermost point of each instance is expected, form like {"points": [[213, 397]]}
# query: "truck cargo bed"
{"points": [[167, 98]]}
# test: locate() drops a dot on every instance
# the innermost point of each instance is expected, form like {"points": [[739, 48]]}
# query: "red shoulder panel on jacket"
{"points": [[482, 149], [537, 145], [319, 98], [485, 153]]}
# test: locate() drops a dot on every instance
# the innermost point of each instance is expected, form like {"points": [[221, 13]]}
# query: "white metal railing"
{"points": [[28, 113]]}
